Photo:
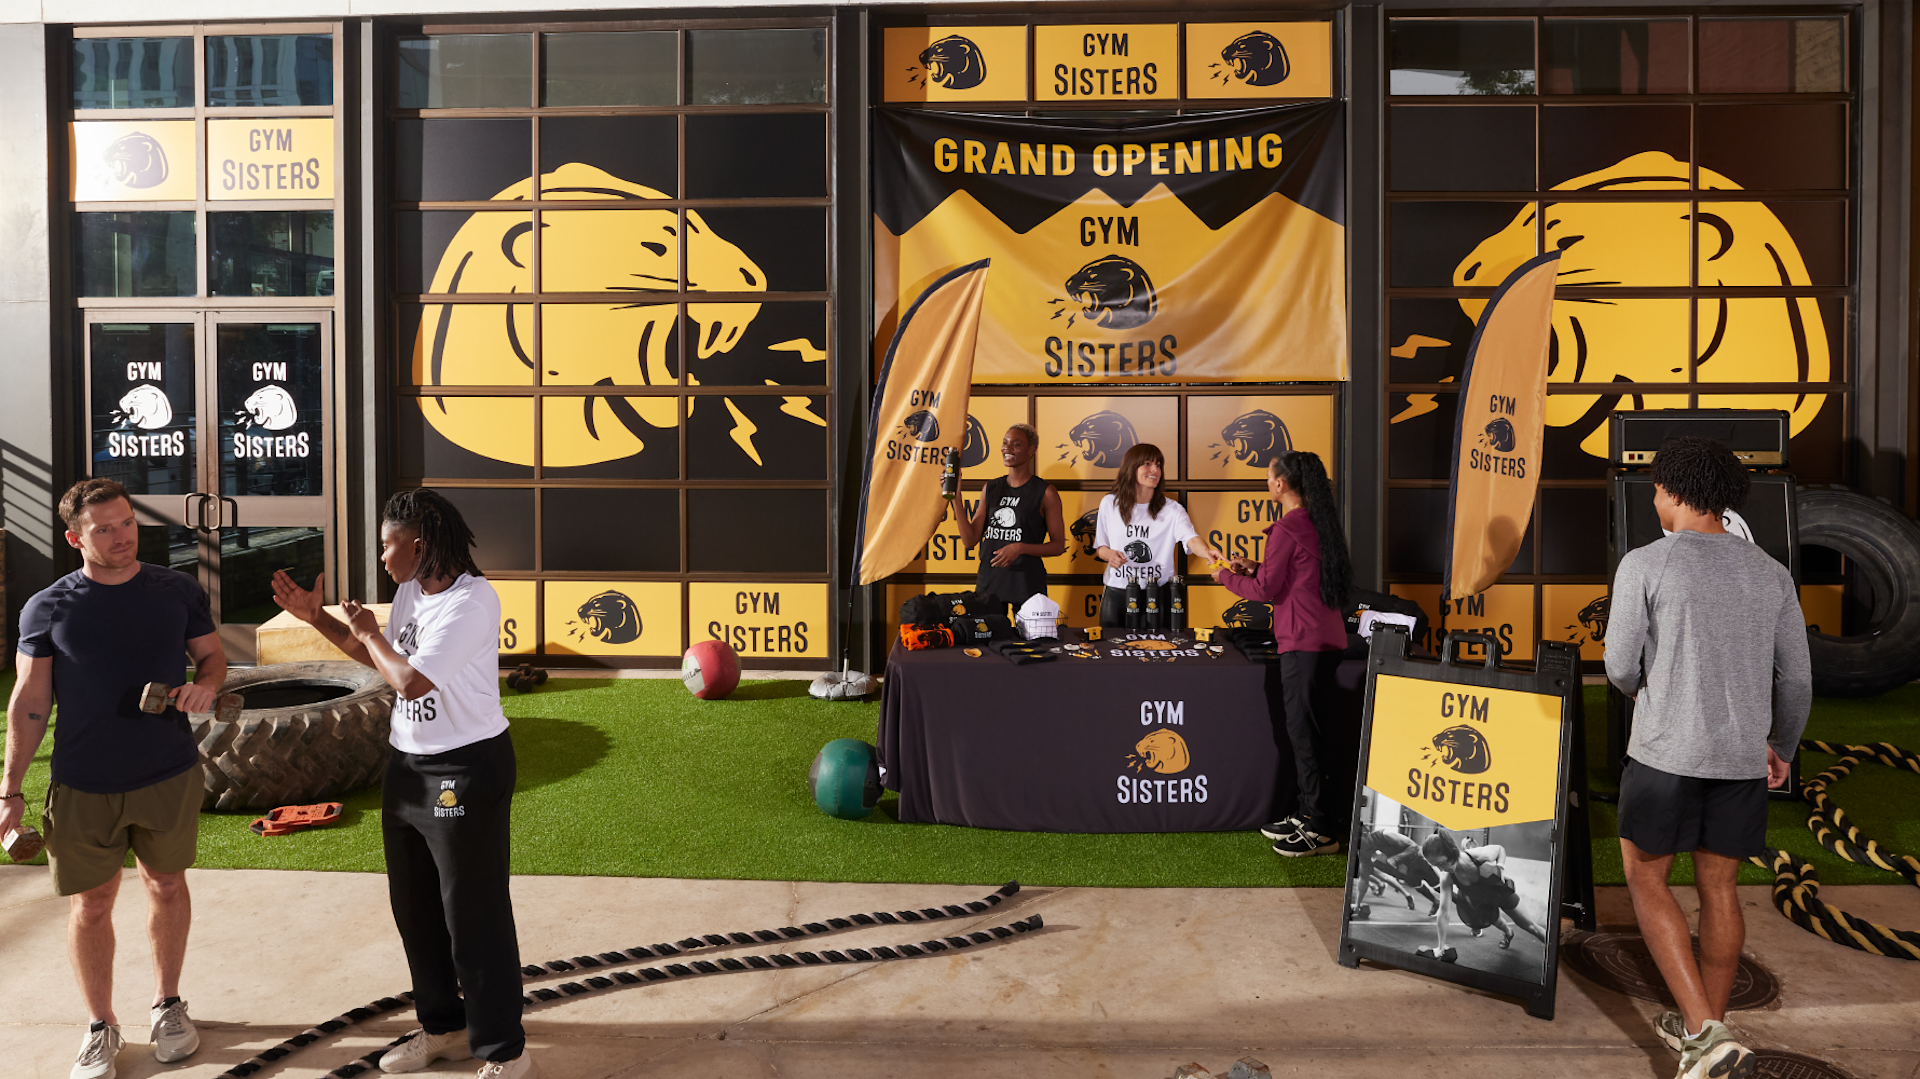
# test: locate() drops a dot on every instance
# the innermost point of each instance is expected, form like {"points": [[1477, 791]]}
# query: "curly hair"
{"points": [[445, 540], [1306, 475], [1124, 492], [1702, 473]]}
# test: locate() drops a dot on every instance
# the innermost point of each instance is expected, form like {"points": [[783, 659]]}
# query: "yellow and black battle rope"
{"points": [[674, 971], [1796, 886]]}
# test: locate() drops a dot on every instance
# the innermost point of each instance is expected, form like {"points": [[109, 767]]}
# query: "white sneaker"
{"points": [[520, 1067], [423, 1049], [173, 1035], [97, 1050]]}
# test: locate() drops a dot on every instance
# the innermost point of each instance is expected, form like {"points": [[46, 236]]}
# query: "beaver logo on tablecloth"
{"points": [[137, 161], [1257, 59], [1163, 751], [1114, 292], [610, 618], [954, 62], [1101, 439]]}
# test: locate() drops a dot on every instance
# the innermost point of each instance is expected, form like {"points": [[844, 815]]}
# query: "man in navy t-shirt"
{"points": [[121, 777]]}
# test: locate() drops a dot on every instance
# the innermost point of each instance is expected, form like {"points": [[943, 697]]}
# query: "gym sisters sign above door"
{"points": [[1108, 62], [1175, 249], [156, 160]]}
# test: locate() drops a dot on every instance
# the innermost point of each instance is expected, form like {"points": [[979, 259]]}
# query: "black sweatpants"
{"points": [[446, 820], [1304, 678]]}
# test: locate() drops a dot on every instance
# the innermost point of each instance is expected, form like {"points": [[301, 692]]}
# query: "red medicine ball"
{"points": [[710, 669]]}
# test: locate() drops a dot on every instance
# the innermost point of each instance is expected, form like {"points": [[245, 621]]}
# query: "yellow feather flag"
{"points": [[1499, 436], [919, 411]]}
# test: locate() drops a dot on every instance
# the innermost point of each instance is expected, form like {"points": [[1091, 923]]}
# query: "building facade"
{"points": [[618, 280]]}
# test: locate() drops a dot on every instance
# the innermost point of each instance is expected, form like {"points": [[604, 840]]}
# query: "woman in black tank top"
{"points": [[1016, 523]]}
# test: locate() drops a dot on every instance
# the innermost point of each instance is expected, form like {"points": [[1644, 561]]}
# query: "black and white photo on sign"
{"points": [[1475, 897]]}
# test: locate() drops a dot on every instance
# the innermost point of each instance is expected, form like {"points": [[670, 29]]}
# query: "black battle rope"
{"points": [[1796, 886], [678, 970]]}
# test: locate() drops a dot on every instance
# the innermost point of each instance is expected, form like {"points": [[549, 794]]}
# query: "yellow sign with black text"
{"points": [[760, 620], [1148, 252], [1466, 756], [518, 606], [1106, 63], [132, 160], [279, 158]]}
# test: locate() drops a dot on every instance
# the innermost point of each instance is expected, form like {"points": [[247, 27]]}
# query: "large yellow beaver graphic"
{"points": [[626, 344], [1602, 341]]}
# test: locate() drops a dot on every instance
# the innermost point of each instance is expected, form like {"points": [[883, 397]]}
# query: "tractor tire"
{"points": [[1883, 547], [293, 753]]}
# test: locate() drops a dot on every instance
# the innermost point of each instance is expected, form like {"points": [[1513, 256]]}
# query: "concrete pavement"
{"points": [[1121, 982]]}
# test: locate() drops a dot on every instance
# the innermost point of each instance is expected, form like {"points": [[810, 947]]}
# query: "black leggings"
{"points": [[446, 819], [1304, 677]]}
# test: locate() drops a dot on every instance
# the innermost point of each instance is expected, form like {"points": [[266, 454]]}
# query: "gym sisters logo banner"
{"points": [[1466, 756], [1205, 249]]}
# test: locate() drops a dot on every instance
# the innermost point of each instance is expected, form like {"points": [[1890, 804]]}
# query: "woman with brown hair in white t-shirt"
{"points": [[1139, 531]]}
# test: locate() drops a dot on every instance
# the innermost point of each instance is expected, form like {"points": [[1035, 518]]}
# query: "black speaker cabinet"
{"points": [[1757, 436], [1770, 519]]}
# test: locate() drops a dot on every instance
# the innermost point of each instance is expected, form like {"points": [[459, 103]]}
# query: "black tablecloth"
{"points": [[1116, 744]]}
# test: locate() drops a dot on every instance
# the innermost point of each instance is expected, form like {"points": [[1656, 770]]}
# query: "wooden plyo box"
{"points": [[286, 639]]}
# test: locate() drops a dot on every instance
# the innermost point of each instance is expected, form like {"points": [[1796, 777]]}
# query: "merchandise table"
{"points": [[1151, 736]]}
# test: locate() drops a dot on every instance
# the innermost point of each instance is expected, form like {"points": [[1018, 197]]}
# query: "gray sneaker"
{"points": [[173, 1035], [1672, 1029], [423, 1049], [1714, 1054], [97, 1052], [520, 1067]]}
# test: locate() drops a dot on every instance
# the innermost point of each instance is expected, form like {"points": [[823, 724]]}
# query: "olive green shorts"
{"points": [[88, 834]]}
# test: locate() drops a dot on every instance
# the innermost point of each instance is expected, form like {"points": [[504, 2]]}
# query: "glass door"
{"points": [[219, 425]]}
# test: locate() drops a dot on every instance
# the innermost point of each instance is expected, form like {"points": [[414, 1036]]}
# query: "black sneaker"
{"points": [[1304, 843], [1281, 829]]}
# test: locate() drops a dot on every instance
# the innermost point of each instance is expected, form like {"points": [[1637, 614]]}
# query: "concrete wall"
{"points": [[31, 448]]}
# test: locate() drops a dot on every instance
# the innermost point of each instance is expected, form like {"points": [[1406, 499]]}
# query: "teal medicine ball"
{"points": [[845, 779]]}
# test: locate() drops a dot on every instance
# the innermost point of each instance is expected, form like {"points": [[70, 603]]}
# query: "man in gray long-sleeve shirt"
{"points": [[1705, 631]]}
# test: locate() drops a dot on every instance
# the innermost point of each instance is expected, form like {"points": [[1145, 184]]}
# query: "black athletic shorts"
{"points": [[1662, 813]]}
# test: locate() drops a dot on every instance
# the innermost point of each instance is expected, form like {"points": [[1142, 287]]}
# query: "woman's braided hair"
{"points": [[1308, 477], [445, 540]]}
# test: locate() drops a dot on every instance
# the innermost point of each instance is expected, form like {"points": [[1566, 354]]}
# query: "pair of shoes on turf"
{"points": [[423, 1049], [1282, 828], [1304, 842], [174, 1039], [1713, 1053]]}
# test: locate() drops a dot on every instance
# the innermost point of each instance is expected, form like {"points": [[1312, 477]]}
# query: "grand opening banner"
{"points": [[1190, 249]]}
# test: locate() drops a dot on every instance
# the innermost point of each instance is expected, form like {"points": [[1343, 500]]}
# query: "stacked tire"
{"points": [[301, 753], [1882, 548]]}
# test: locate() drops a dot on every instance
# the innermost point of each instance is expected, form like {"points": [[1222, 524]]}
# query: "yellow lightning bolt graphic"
{"points": [[799, 408], [808, 354], [743, 431], [1418, 404]]}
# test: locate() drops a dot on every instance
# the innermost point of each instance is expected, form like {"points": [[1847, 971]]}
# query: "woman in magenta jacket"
{"points": [[1305, 575]]}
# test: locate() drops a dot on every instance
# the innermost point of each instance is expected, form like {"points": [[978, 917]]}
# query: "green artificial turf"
{"points": [[637, 778]]}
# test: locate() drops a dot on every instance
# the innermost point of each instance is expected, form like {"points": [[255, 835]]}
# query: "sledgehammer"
{"points": [[155, 698]]}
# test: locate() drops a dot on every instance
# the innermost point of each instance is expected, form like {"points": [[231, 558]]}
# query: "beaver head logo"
{"points": [[1499, 435], [924, 426], [610, 618], [447, 799], [1635, 244], [1083, 529], [1248, 614], [1464, 749], [1114, 292], [954, 62], [1258, 58], [1138, 551], [1003, 517], [137, 161], [1163, 751], [1103, 438], [977, 449], [626, 254], [270, 407], [146, 407], [1256, 438]]}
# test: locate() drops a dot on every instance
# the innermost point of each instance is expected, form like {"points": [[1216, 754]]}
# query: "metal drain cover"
{"points": [[1782, 1065], [1621, 962]]}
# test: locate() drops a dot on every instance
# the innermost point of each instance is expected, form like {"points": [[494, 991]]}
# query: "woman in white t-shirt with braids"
{"points": [[1139, 531]]}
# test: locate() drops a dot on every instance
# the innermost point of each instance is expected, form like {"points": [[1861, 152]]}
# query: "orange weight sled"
{"points": [[288, 819]]}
